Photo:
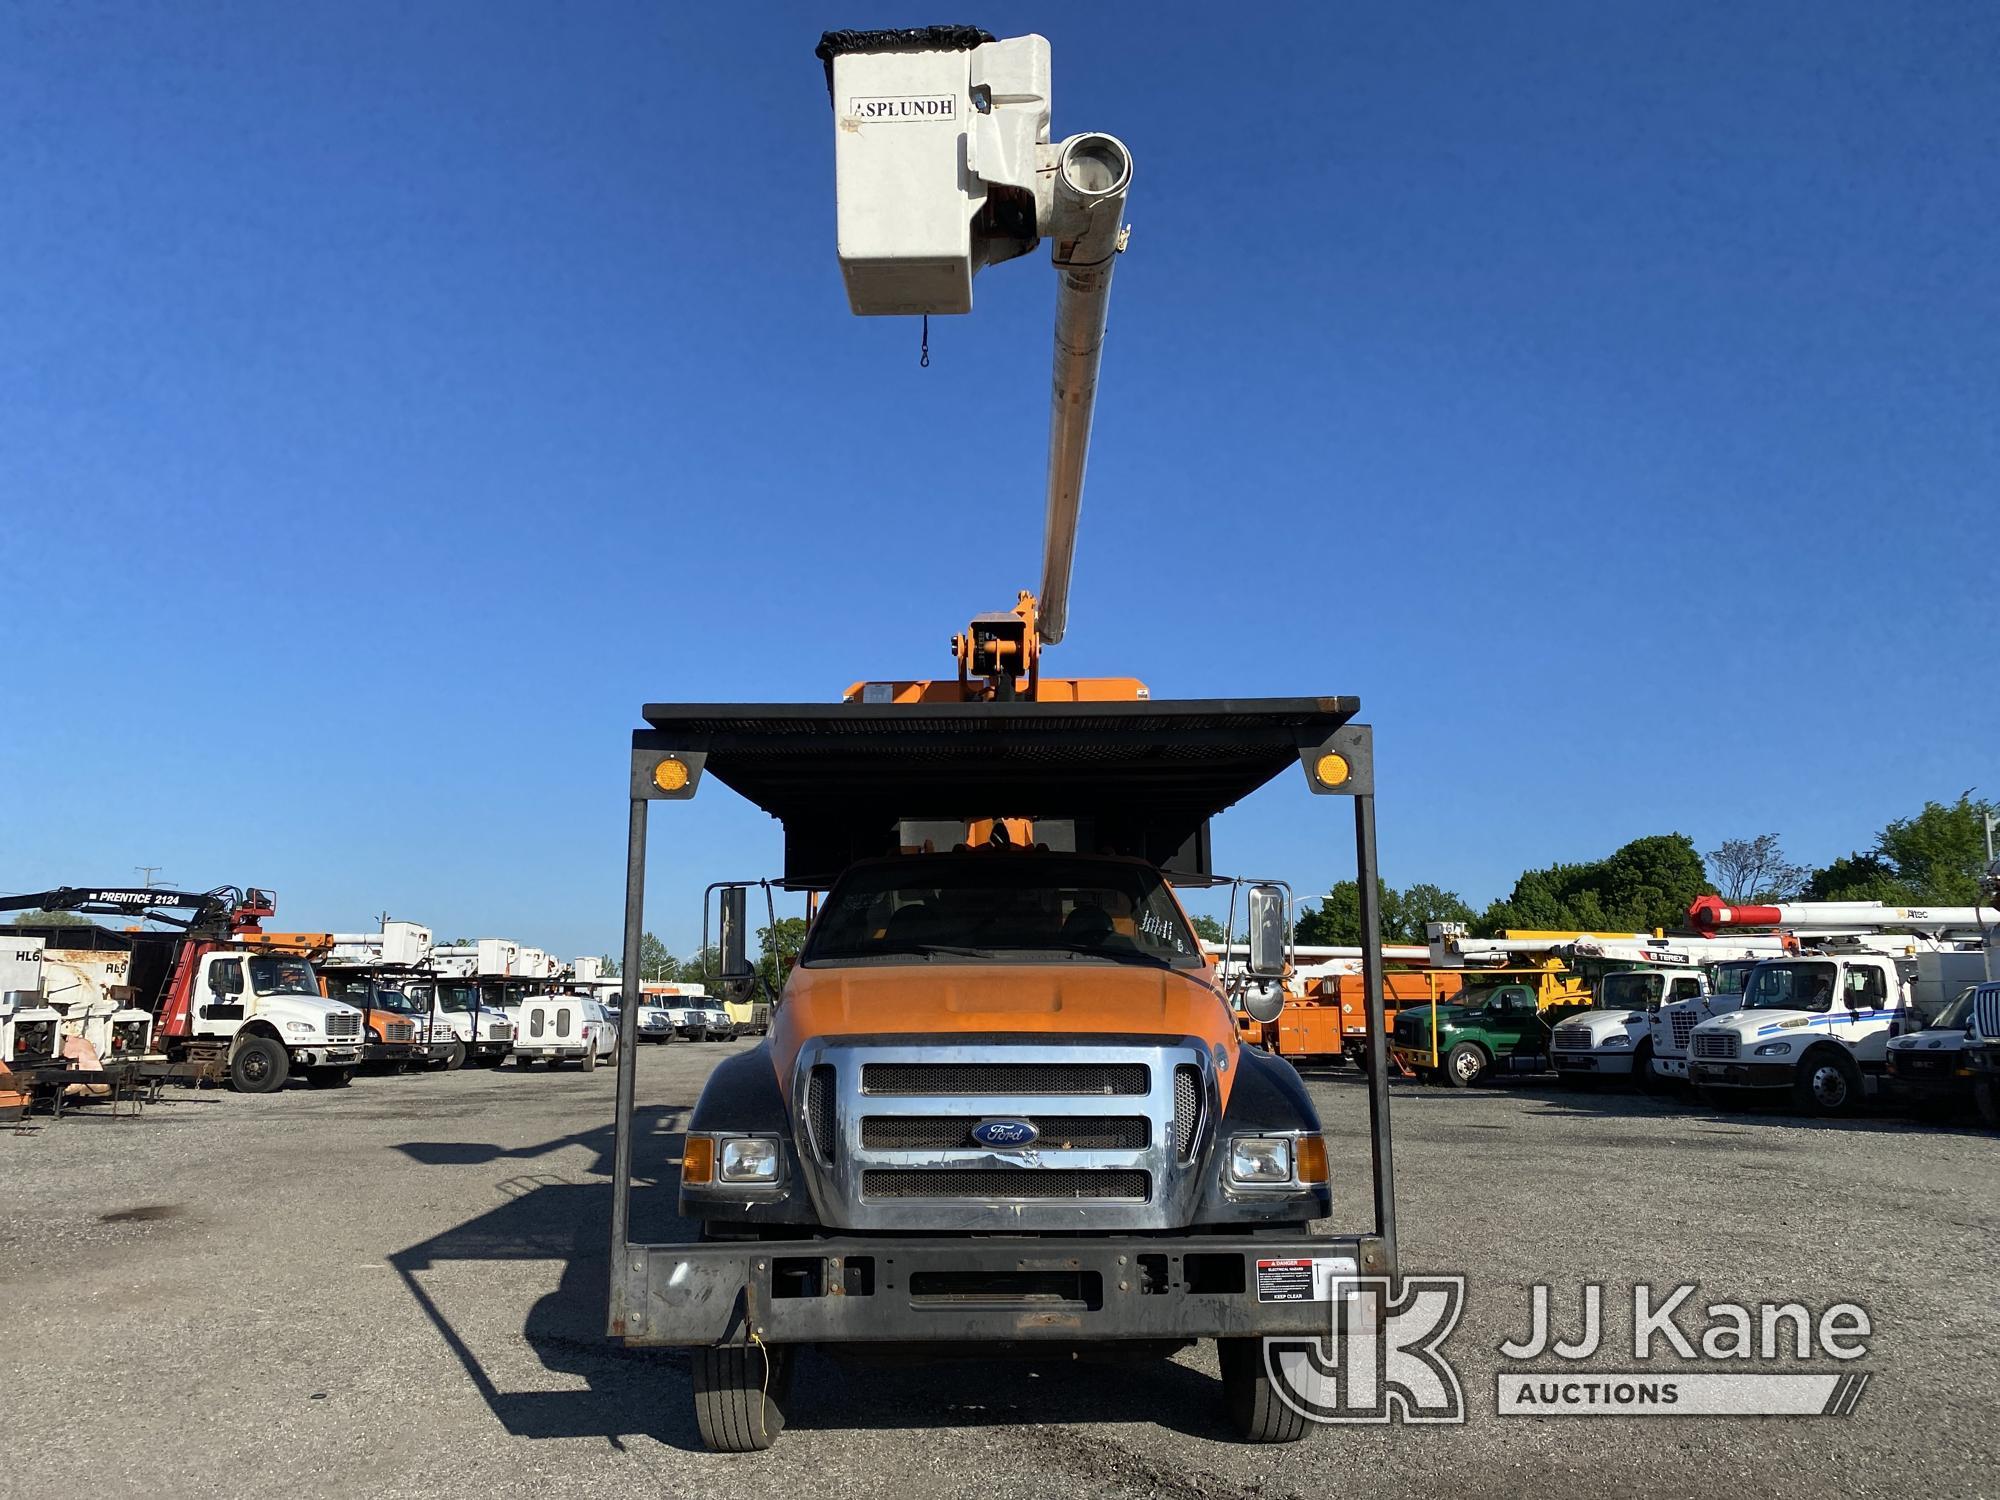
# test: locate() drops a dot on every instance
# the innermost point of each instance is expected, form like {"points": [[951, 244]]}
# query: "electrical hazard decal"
{"points": [[1307, 1280]]}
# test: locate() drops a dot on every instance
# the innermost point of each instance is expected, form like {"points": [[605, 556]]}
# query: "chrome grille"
{"points": [[344, 1025], [1986, 1012], [819, 1111], [1715, 1044], [1005, 1078], [502, 1032], [1572, 1039], [1056, 1132], [886, 1132], [1683, 1027], [1187, 1109], [1018, 1184]]}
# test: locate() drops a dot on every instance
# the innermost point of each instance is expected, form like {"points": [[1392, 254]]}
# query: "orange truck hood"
{"points": [[1028, 1000]]}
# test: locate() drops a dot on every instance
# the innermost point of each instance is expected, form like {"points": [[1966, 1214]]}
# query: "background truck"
{"points": [[221, 1010], [1003, 1103], [374, 970], [1615, 1038]]}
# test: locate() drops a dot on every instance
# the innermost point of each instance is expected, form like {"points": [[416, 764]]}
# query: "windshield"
{"points": [[282, 976], [1955, 1015], [1003, 906], [396, 1000], [1729, 977], [1632, 991], [458, 998], [1800, 986]]}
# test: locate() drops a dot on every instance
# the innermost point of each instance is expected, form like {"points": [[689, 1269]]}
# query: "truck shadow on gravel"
{"points": [[645, 1392]]}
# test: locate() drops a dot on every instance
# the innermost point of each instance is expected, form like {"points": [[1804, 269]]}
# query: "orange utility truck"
{"points": [[1003, 1105]]}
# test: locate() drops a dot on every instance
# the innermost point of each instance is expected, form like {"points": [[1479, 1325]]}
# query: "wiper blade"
{"points": [[1118, 955]]}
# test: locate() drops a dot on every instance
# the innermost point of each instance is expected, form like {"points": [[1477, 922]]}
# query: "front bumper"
{"points": [[488, 1049], [1604, 1064], [391, 1052], [1414, 1057], [884, 1289], [325, 1057], [1742, 1075], [1949, 1086]]}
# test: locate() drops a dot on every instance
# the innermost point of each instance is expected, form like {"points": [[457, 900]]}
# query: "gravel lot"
{"points": [[397, 1289]]}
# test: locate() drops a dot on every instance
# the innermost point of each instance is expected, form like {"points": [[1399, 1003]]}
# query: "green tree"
{"points": [[704, 968], [656, 964], [1209, 930], [608, 966], [780, 945], [1336, 921], [50, 919], [1647, 883], [1932, 858]]}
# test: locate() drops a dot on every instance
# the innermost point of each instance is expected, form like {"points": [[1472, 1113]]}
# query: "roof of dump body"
{"points": [[1147, 774]]}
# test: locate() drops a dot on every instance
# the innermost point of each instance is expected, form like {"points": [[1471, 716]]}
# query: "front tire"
{"points": [[259, 1066], [740, 1393], [1828, 1083], [1464, 1064], [1250, 1397], [454, 1057], [1986, 1097]]}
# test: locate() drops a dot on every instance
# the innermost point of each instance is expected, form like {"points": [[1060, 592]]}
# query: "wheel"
{"points": [[740, 1394], [590, 1058], [1827, 1083], [330, 1078], [1256, 1410], [259, 1066], [1642, 1068], [1986, 1095], [1464, 1064], [1359, 1057], [454, 1057]]}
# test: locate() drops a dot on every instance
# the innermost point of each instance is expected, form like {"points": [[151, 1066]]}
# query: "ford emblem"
{"points": [[1001, 1135]]}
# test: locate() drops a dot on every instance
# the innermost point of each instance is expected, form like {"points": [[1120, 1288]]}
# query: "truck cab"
{"points": [[1485, 1030], [395, 1031], [1615, 1038], [269, 1010], [1818, 1026], [1670, 1028], [460, 1022]]}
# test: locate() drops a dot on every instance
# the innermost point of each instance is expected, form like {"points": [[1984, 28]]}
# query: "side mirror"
{"points": [[736, 971], [1268, 932]]}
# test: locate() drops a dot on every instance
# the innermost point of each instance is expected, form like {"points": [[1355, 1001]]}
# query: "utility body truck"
{"points": [[1003, 1104], [1818, 1024], [221, 1010]]}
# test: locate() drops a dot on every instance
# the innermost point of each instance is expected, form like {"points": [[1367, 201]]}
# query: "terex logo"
{"points": [[903, 107]]}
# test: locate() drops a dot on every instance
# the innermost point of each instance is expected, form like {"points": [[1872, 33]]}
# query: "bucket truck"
{"points": [[1819, 1024], [377, 971], [474, 991], [221, 1010], [1003, 1103]]}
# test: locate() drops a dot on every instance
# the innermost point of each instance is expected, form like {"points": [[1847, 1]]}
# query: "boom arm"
{"points": [[222, 911], [944, 165]]}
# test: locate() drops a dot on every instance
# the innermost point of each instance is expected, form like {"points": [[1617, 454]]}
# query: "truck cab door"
{"points": [[220, 998], [1864, 992]]}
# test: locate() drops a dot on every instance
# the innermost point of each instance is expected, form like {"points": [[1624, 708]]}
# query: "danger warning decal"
{"points": [[1306, 1280]]}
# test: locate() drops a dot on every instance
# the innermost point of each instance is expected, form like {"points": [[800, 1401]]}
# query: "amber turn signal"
{"points": [[1312, 1158], [1331, 769], [698, 1159], [670, 775]]}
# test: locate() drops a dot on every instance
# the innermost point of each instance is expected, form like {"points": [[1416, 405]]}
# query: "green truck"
{"points": [[1485, 1029]]}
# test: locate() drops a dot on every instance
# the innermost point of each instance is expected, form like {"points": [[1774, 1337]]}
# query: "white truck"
{"points": [[1614, 1039], [1819, 1025], [565, 1028]]}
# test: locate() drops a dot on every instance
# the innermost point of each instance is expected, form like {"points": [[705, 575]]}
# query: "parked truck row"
{"points": [[193, 988]]}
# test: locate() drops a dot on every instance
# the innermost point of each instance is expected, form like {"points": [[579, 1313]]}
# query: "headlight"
{"points": [[303, 1028], [1260, 1160], [1616, 1039], [1773, 1049], [748, 1159]]}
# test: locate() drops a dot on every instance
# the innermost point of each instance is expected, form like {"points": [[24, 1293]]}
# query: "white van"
{"points": [[564, 1028]]}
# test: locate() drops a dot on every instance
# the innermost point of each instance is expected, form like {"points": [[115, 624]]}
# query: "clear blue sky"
{"points": [[392, 399]]}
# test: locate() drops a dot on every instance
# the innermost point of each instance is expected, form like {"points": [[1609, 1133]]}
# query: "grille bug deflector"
{"points": [[1122, 1127]]}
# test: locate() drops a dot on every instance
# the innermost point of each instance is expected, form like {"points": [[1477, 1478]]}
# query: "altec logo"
{"points": [[890, 108]]}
